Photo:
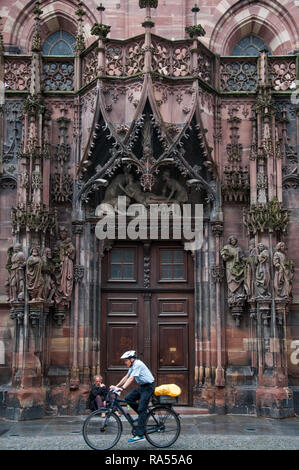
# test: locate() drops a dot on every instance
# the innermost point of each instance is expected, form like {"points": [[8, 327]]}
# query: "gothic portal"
{"points": [[138, 102]]}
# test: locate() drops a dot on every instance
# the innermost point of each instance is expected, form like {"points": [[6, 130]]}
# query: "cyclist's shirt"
{"points": [[141, 373]]}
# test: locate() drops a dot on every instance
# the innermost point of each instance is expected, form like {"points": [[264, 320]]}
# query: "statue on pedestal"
{"points": [[34, 277], [65, 276], [262, 272], [250, 271], [233, 257], [284, 272], [48, 272], [17, 274]]}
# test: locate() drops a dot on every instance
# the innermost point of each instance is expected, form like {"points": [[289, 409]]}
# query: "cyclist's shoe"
{"points": [[136, 439]]}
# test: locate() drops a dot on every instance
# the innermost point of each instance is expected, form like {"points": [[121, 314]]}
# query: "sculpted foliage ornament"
{"points": [[195, 31], [101, 30], [33, 105], [270, 216], [33, 217]]}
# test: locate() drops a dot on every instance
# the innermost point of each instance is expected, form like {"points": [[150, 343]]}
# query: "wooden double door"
{"points": [[147, 305]]}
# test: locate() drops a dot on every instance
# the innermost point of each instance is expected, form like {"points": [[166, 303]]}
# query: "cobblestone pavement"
{"points": [[206, 432]]}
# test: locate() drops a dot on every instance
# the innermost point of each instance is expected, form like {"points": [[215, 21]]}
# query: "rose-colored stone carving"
{"points": [[48, 272], [250, 270], [34, 277], [65, 277], [284, 272], [262, 271], [17, 274], [235, 268]]}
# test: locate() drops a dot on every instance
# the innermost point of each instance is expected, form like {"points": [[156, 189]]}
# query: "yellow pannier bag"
{"points": [[171, 390]]}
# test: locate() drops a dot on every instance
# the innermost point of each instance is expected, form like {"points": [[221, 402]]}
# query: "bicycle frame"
{"points": [[156, 422], [116, 403]]}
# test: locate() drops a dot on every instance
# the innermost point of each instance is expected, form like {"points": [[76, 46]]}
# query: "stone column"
{"points": [[74, 380], [218, 274]]}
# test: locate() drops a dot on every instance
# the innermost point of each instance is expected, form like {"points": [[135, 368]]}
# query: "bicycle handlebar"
{"points": [[114, 391]]}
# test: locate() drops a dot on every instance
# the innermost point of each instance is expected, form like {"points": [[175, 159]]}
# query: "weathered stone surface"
{"points": [[150, 112]]}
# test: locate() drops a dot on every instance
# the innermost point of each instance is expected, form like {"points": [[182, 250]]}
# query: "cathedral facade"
{"points": [[149, 103]]}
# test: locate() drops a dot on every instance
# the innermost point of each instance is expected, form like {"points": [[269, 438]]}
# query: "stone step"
{"points": [[188, 410]]}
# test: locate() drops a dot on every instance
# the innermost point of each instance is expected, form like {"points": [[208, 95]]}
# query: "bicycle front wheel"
{"points": [[102, 430], [162, 427]]}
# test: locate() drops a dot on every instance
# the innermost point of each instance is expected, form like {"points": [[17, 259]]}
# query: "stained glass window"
{"points": [[60, 43], [250, 47]]}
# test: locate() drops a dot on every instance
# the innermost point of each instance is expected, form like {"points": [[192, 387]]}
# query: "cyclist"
{"points": [[143, 376]]}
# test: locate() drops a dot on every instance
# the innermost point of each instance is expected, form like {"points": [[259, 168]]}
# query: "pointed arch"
{"points": [[62, 17], [266, 19]]}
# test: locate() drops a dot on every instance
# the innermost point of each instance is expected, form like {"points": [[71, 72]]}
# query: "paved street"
{"points": [[203, 432]]}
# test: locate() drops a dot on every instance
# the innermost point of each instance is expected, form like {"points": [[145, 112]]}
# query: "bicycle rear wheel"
{"points": [[102, 430], [162, 427]]}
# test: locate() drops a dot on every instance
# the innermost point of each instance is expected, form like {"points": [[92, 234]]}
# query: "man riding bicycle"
{"points": [[143, 376]]}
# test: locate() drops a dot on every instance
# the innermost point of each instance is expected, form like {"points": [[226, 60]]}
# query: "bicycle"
{"points": [[102, 429]]}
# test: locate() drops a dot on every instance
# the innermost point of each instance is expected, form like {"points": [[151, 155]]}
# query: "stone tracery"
{"points": [[150, 122]]}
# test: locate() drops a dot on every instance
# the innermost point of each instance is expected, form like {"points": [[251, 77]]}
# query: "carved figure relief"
{"points": [[262, 271], [134, 191], [65, 277], [17, 274], [233, 257], [250, 270], [34, 277], [125, 185], [48, 270], [284, 272], [175, 190]]}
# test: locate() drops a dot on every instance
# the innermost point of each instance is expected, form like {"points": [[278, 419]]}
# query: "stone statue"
{"points": [[48, 270], [284, 272], [176, 190], [115, 189], [8, 267], [34, 277], [17, 274], [250, 270], [134, 191], [262, 271], [65, 278], [235, 269]]}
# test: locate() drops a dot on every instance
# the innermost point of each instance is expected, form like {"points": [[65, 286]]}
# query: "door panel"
{"points": [[173, 346], [120, 331], [120, 337], [156, 320]]}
